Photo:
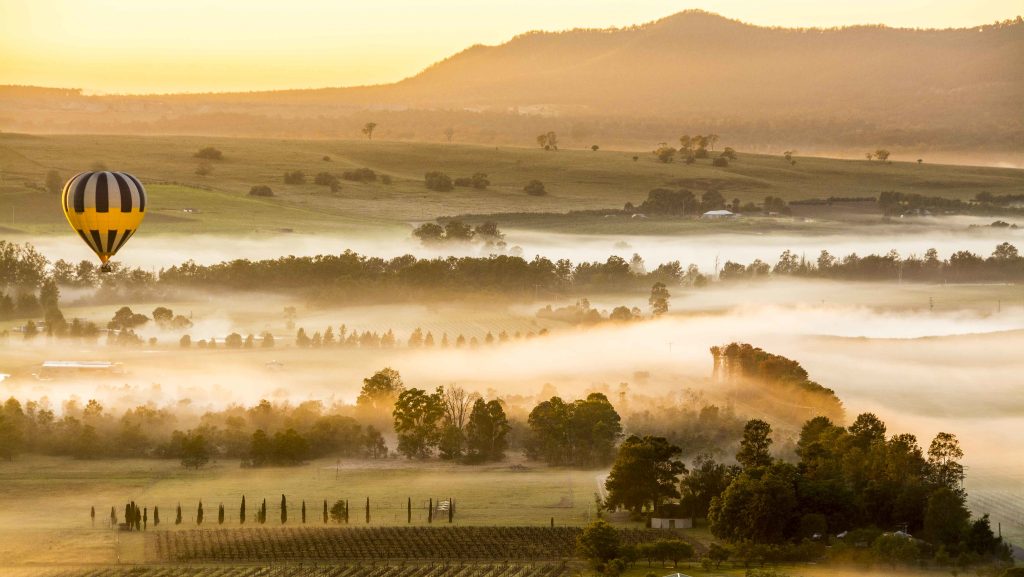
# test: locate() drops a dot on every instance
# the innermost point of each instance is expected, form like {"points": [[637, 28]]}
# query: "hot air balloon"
{"points": [[105, 208]]}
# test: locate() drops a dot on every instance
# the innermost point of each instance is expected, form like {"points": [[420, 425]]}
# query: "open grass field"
{"points": [[575, 180]]}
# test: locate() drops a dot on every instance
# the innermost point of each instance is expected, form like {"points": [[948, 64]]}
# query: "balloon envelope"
{"points": [[105, 208]]}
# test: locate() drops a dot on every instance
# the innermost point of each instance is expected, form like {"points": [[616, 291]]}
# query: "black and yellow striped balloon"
{"points": [[105, 208]]}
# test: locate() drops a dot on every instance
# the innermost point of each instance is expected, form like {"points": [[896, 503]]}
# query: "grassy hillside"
{"points": [[575, 180]]}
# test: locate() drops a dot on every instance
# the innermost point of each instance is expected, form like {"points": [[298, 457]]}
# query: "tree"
{"points": [[303, 512], [729, 153], [645, 472], [261, 190], [449, 133], [293, 177], [156, 516], [755, 445], [417, 417], [209, 153], [368, 129], [325, 511], [895, 549], [944, 456], [665, 153], [598, 543], [487, 431], [220, 514], [866, 430], [439, 181], [284, 510], [594, 147], [456, 403], [429, 233], [760, 505], [706, 480], [946, 518], [241, 512], [194, 451], [882, 154], [380, 391], [659, 299], [535, 188], [54, 182], [337, 511]]}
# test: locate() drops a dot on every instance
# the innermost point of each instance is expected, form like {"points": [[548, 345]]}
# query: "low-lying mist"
{"points": [[946, 234], [920, 370]]}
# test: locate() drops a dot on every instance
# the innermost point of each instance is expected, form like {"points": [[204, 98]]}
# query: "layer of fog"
{"points": [[920, 370], [947, 235]]}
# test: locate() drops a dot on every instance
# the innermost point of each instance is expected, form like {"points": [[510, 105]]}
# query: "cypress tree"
{"points": [[367, 509], [451, 509], [263, 512], [346, 511], [430, 511], [409, 509], [220, 514], [113, 517], [284, 510], [177, 518], [325, 511], [303, 511], [241, 512], [92, 515], [156, 516], [199, 513], [145, 517], [129, 519]]}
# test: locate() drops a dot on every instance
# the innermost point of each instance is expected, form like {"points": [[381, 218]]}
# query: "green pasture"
{"points": [[575, 180]]}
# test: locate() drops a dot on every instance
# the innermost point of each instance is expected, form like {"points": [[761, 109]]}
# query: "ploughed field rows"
{"points": [[308, 570], [376, 543]]}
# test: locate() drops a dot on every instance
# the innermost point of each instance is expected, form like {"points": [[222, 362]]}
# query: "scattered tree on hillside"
{"points": [[209, 153], [54, 182], [368, 129], [438, 181], [294, 177], [535, 188], [664, 153]]}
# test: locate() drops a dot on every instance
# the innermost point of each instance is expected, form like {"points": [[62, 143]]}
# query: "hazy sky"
{"points": [[204, 45]]}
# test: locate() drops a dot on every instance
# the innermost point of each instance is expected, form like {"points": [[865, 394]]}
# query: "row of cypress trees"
{"points": [[137, 519]]}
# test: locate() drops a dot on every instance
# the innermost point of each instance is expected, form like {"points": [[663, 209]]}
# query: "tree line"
{"points": [[868, 494], [24, 273]]}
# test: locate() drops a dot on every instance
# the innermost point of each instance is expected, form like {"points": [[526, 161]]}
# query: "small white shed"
{"points": [[665, 523]]}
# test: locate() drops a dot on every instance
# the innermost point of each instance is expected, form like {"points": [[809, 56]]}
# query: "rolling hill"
{"points": [[767, 89]]}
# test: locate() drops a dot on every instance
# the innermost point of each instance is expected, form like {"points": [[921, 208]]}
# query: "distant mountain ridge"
{"points": [[692, 68]]}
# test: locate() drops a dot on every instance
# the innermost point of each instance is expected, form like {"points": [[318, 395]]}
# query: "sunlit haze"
{"points": [[107, 46]]}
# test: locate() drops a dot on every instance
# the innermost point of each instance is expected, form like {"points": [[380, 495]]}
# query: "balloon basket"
{"points": [[105, 268]]}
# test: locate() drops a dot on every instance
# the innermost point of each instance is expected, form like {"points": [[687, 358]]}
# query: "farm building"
{"points": [[51, 369], [665, 523], [718, 214]]}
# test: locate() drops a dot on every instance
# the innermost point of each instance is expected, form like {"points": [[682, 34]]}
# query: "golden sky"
{"points": [[147, 46]]}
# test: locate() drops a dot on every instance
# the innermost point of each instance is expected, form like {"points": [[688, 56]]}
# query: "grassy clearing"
{"points": [[575, 179]]}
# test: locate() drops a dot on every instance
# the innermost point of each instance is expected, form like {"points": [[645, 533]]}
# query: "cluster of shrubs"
{"points": [[478, 181]]}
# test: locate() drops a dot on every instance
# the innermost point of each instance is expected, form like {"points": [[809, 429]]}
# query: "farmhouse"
{"points": [[718, 214]]}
